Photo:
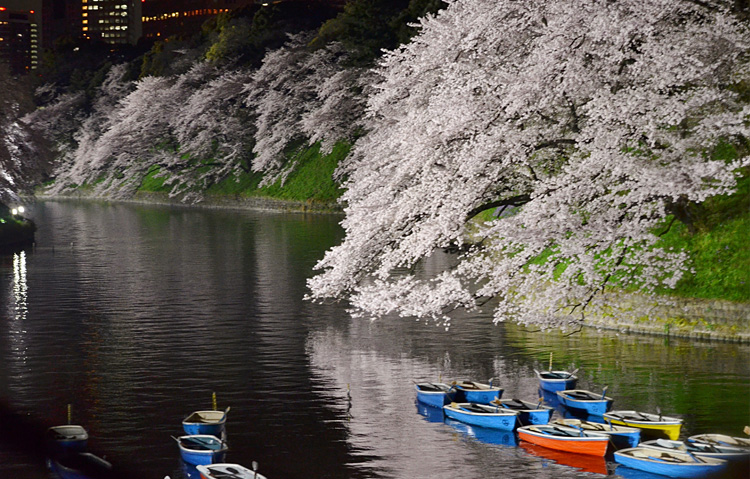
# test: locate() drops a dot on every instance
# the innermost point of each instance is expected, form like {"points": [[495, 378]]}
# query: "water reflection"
{"points": [[431, 414], [582, 462], [485, 435]]}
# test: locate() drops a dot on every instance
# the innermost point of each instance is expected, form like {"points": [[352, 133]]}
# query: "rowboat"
{"points": [[669, 463], [586, 401], [67, 438], [554, 381], [482, 415], [721, 440], [649, 424], [621, 436], [201, 449], [563, 438], [528, 413], [229, 471], [582, 462], [700, 449], [435, 394], [205, 422], [470, 391]]}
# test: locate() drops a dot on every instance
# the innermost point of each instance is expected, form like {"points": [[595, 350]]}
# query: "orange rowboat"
{"points": [[566, 439]]}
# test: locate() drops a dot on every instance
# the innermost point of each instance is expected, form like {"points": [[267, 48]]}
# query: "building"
{"points": [[60, 18], [111, 21], [19, 40], [164, 18]]}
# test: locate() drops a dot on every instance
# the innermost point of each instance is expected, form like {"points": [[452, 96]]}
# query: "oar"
{"points": [[746, 430], [571, 374], [254, 467], [604, 391], [226, 411], [658, 411]]}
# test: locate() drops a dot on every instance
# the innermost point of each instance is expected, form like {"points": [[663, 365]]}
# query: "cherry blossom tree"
{"points": [[23, 158], [304, 96], [595, 119]]}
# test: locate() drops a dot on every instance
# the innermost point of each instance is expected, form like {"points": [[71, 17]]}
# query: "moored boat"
{"points": [[482, 415], [201, 449], [474, 392], [652, 425], [700, 449], [669, 463], [563, 438], [621, 436], [721, 440], [586, 401], [66, 438], [554, 381], [205, 422], [435, 394], [528, 413], [229, 471]]}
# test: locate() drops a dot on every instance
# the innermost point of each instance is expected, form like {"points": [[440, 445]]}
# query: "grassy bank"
{"points": [[311, 181]]}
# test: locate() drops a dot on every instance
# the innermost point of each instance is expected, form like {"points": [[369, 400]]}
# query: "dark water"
{"points": [[135, 315]]}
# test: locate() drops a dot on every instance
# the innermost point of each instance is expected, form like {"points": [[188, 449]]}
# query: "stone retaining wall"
{"points": [[678, 317]]}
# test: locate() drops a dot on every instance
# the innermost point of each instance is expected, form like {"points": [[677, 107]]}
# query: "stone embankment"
{"points": [[668, 316]]}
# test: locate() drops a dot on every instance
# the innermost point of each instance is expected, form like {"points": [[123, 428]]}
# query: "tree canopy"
{"points": [[596, 119]]}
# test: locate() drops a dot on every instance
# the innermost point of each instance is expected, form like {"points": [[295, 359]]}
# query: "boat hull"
{"points": [[202, 450], [528, 413], [504, 420], [434, 398], [483, 394], [592, 407], [721, 440], [591, 444], [550, 383], [67, 439], [650, 461], [700, 449], [205, 423]]}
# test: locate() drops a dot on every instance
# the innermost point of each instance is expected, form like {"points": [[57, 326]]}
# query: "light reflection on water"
{"points": [[135, 315]]}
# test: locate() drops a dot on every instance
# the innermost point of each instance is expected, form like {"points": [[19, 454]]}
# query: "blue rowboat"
{"points": [[201, 449], [435, 394], [554, 381], [66, 439], [586, 401], [205, 422], [721, 440], [669, 463], [471, 391], [700, 449], [621, 437], [528, 412], [482, 415]]}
